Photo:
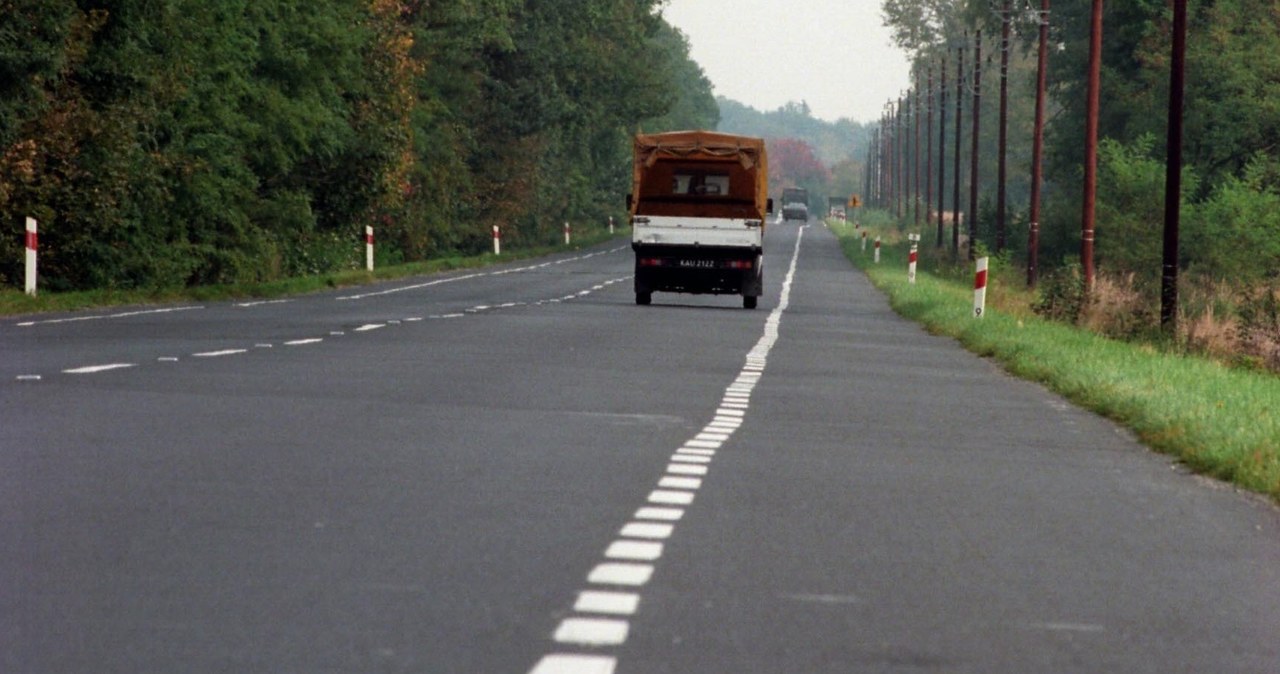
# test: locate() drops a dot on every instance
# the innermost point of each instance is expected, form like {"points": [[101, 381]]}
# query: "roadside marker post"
{"points": [[912, 257], [864, 241], [368, 247], [610, 225], [877, 250], [497, 240], [980, 288], [32, 241], [566, 233]]}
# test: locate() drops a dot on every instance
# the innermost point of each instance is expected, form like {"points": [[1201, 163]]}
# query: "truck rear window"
{"points": [[700, 184]]}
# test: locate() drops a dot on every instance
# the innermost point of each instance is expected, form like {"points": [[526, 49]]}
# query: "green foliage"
{"points": [[1236, 231], [165, 143], [1231, 123]]}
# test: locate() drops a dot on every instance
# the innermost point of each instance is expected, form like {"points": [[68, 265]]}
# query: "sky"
{"points": [[835, 55]]}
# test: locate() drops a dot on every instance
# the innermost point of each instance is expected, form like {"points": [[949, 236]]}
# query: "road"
{"points": [[518, 470]]}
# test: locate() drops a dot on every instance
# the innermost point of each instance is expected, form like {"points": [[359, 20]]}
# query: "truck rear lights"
{"points": [[739, 264], [652, 262]]}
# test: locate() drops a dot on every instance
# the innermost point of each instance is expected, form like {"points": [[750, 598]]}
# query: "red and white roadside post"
{"points": [[566, 233], [611, 225], [32, 241], [912, 257], [368, 247], [877, 250], [497, 240], [980, 288], [864, 241]]}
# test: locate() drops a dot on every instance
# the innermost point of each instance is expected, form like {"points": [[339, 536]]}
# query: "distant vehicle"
{"points": [[698, 206], [836, 207], [795, 204]]}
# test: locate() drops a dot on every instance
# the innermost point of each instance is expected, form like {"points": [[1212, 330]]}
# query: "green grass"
{"points": [[1218, 420], [13, 302]]}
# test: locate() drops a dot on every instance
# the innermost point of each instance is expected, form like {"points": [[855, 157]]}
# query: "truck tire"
{"points": [[749, 302], [644, 298]]}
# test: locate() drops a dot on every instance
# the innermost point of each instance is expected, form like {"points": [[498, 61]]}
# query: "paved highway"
{"points": [[519, 470]]}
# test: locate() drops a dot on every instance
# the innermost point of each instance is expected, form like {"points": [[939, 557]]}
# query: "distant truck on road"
{"points": [[698, 206], [795, 204]]}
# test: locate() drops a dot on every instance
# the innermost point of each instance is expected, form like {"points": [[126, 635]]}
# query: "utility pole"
{"points": [[942, 143], [1037, 148], [973, 158], [1004, 126], [955, 190], [928, 161], [1089, 211], [915, 150], [904, 184], [1173, 172]]}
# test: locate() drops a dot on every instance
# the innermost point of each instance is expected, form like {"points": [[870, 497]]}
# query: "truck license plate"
{"points": [[698, 264]]}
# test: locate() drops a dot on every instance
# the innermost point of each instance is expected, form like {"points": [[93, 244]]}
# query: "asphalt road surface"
{"points": [[519, 470]]}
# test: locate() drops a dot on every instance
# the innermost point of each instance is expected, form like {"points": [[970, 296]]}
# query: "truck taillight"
{"points": [[739, 264], [650, 262]]}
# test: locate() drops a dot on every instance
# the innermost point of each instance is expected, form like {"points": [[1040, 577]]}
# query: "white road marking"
{"points": [[167, 359], [703, 444], [714, 437], [690, 458], [723, 412], [262, 303], [412, 287], [264, 345], [94, 369], [696, 451], [592, 631], [668, 497], [612, 603], [303, 342], [217, 354], [635, 551], [572, 663], [673, 482], [103, 317], [617, 573], [662, 514], [686, 469], [28, 377], [646, 530], [370, 326]]}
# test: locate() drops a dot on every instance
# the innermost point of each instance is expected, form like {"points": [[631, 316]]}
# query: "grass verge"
{"points": [[1219, 421], [14, 302]]}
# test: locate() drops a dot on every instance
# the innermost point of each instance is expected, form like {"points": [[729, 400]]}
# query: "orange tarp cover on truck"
{"points": [[662, 160]]}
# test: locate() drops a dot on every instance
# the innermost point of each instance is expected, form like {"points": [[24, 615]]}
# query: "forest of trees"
{"points": [[1231, 184], [168, 143]]}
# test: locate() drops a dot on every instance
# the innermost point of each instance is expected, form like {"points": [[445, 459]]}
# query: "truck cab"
{"points": [[698, 206]]}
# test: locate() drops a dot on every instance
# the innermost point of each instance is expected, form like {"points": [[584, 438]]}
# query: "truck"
{"points": [[836, 207], [795, 204], [698, 205]]}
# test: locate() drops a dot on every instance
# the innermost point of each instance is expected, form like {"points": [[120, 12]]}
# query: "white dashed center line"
{"points": [[94, 369], [639, 540]]}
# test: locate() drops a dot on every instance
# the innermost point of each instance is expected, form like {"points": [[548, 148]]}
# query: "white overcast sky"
{"points": [[836, 55]]}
